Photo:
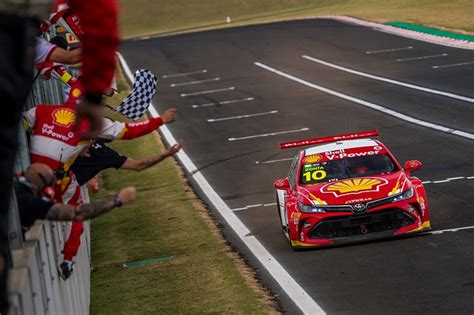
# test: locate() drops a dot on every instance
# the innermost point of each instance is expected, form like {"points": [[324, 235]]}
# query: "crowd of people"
{"points": [[68, 142]]}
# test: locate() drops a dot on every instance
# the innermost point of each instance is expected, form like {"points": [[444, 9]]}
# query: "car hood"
{"points": [[354, 190]]}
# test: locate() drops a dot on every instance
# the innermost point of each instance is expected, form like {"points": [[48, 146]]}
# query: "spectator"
{"points": [[34, 195], [18, 21], [47, 51], [17, 29], [101, 157], [54, 140]]}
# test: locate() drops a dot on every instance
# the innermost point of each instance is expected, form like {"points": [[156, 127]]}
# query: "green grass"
{"points": [[204, 276], [166, 16]]}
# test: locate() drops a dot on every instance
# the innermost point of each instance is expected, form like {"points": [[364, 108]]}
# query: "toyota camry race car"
{"points": [[349, 188]]}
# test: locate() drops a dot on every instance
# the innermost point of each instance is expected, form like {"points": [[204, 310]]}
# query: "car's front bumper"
{"points": [[341, 228]]}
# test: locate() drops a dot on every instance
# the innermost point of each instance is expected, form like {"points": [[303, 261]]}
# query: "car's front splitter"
{"points": [[318, 243]]}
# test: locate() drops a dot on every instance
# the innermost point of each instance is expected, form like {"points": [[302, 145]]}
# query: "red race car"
{"points": [[349, 188]]}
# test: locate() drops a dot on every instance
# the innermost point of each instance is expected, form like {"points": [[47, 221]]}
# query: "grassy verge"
{"points": [[166, 220], [166, 16]]}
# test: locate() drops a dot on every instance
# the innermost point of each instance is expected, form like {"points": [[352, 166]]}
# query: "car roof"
{"points": [[345, 144]]}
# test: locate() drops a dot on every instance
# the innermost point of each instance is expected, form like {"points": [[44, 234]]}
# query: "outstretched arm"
{"points": [[141, 164], [69, 57], [63, 212]]}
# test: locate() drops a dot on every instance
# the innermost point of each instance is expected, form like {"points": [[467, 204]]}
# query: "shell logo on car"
{"points": [[279, 182], [64, 117], [318, 201], [354, 186], [295, 215], [312, 159]]}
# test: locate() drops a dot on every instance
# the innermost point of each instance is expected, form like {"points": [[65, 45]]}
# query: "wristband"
{"points": [[117, 201]]}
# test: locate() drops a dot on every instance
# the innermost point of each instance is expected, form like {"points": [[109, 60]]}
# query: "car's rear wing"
{"points": [[346, 136]]}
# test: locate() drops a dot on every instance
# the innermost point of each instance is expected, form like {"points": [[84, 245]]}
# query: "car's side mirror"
{"points": [[412, 165], [282, 184]]}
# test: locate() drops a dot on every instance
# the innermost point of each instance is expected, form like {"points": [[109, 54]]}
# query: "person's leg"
{"points": [[17, 44], [71, 247]]}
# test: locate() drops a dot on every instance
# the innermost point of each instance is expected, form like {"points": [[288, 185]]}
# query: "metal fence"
{"points": [[34, 283]]}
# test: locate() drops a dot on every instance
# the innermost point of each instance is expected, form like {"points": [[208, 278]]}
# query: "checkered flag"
{"points": [[137, 103]]}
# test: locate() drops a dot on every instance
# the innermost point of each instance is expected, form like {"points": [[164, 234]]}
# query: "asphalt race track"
{"points": [[233, 114]]}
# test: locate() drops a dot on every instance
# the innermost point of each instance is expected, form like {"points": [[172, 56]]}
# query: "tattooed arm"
{"points": [[63, 212]]}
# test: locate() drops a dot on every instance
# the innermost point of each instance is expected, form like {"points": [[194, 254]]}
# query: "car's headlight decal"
{"points": [[309, 208], [404, 195]]}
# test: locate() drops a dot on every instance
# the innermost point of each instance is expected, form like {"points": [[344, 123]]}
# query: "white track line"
{"points": [[368, 104], [370, 52], [447, 180], [194, 82], [441, 181], [248, 99], [274, 161], [269, 204], [423, 57], [247, 207], [268, 134], [294, 291], [166, 76], [242, 116], [254, 206], [207, 92], [453, 65], [407, 85], [449, 230]]}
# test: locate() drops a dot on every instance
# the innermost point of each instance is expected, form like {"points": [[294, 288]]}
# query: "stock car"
{"points": [[349, 188]]}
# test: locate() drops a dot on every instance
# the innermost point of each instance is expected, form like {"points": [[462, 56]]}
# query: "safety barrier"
{"points": [[34, 283]]}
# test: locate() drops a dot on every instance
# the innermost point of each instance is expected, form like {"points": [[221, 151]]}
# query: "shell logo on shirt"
{"points": [[354, 186], [76, 92], [64, 117]]}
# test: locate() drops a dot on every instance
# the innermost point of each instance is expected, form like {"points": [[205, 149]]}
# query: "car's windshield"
{"points": [[320, 172]]}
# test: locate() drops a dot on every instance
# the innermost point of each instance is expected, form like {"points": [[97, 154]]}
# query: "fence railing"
{"points": [[34, 283]]}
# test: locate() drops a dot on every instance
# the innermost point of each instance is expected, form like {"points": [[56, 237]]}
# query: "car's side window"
{"points": [[292, 172]]}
